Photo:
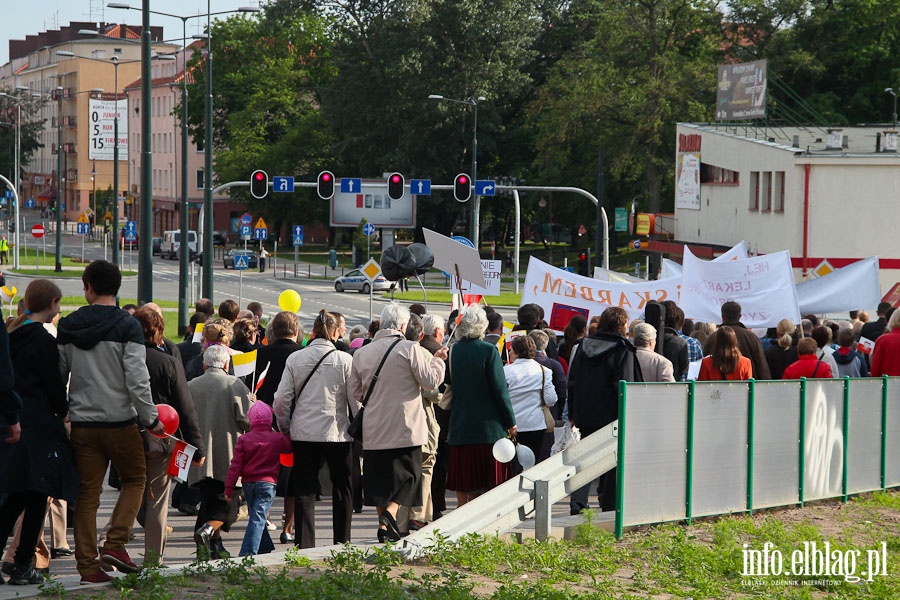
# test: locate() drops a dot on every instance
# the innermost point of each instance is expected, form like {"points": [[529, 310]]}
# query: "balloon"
{"points": [[290, 301], [504, 450], [397, 262], [286, 459], [424, 257], [525, 456], [168, 416]]}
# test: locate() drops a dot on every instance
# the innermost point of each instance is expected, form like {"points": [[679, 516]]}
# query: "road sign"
{"points": [[8, 194], [82, 218], [298, 235], [83, 228], [371, 270], [636, 244], [241, 262], [368, 229], [351, 185], [246, 219], [260, 233], [261, 224], [282, 184], [29, 203], [485, 187], [130, 231], [245, 232], [88, 211], [107, 216], [420, 187], [37, 230]]}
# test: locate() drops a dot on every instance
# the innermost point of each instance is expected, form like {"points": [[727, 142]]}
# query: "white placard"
{"points": [[102, 128], [491, 270]]}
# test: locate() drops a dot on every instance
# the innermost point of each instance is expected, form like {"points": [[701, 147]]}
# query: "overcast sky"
{"points": [[22, 18]]}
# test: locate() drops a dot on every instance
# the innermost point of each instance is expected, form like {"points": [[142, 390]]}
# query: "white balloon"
{"points": [[525, 456], [504, 450]]}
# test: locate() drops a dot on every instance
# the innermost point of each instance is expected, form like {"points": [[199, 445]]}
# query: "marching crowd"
{"points": [[399, 412]]}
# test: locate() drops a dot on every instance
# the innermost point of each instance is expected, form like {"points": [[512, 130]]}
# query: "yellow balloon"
{"points": [[290, 301]]}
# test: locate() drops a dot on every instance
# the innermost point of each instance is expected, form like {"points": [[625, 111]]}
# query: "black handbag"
{"points": [[355, 428]]}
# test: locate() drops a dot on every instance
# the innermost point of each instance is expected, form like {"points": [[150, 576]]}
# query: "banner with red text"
{"points": [[762, 285], [562, 295]]}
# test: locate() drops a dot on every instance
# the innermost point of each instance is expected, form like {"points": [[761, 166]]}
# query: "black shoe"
{"points": [[25, 575], [187, 509], [382, 535], [415, 525], [202, 537], [217, 549], [393, 531], [357, 509], [61, 552], [7, 568], [286, 538]]}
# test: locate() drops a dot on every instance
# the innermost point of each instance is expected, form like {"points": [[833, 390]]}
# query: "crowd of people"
{"points": [[436, 393]]}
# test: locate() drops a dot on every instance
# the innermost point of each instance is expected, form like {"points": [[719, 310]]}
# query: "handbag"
{"points": [[549, 420], [356, 421]]}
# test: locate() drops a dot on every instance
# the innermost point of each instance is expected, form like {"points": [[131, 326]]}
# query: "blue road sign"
{"points": [[246, 219], [3, 201], [260, 233], [83, 228], [9, 194], [130, 231], [368, 229], [298, 235], [245, 232], [351, 185], [420, 187], [240, 262], [485, 187], [282, 184], [29, 203]]}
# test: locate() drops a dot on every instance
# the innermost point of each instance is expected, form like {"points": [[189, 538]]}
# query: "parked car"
{"points": [[171, 243], [157, 243], [252, 261], [355, 280]]}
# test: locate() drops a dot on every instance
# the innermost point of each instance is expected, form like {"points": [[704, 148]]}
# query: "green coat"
{"points": [[481, 411]]}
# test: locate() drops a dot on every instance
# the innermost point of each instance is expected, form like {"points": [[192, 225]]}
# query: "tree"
{"points": [[29, 138]]}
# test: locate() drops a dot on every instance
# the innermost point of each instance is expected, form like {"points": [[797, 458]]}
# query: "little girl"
{"points": [[256, 462]]}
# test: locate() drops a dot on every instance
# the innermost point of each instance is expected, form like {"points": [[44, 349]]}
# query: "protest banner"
{"points": [[853, 287]]}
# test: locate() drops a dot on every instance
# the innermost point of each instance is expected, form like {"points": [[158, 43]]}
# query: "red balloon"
{"points": [[168, 416], [286, 459]]}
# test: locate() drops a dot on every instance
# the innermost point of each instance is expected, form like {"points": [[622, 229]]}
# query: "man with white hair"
{"points": [[654, 367], [434, 333]]}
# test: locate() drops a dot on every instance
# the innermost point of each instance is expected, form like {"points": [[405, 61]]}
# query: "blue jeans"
{"points": [[259, 496]]}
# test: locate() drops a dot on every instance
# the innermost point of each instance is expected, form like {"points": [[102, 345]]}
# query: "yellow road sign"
{"points": [[260, 224], [371, 270], [82, 218]]}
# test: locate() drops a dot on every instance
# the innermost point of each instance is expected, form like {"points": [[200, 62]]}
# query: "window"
{"points": [[766, 191], [201, 182], [754, 190], [779, 192], [710, 174]]}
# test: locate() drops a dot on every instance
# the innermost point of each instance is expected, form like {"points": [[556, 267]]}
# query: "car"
{"points": [[126, 244], [355, 280], [157, 243], [252, 261]]}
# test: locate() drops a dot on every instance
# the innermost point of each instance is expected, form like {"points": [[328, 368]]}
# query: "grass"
{"points": [[169, 308], [704, 560], [504, 299]]}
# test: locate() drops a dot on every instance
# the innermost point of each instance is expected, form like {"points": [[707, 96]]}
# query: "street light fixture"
{"points": [[894, 94], [472, 101], [184, 257], [16, 174]]}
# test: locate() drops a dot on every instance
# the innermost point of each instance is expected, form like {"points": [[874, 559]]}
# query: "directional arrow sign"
{"points": [[282, 184], [298, 235], [29, 203], [368, 229], [83, 228], [420, 187], [485, 187], [260, 233], [351, 185]]}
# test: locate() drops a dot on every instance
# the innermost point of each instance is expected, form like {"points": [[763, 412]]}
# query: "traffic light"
{"points": [[259, 184], [325, 185], [582, 265], [462, 188], [395, 186]]}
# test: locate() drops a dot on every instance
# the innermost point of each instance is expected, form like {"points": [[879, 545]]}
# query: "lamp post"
{"points": [[16, 176], [94, 196], [894, 94], [476, 202]]}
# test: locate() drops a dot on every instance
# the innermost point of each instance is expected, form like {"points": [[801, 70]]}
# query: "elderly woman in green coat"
{"points": [[481, 413]]}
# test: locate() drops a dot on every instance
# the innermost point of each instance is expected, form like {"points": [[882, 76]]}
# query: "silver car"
{"points": [[355, 280]]}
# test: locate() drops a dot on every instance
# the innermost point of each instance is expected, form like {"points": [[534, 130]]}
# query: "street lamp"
{"points": [[476, 202], [894, 94], [184, 256], [16, 176]]}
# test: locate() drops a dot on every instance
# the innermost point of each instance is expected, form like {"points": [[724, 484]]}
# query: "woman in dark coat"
{"points": [[41, 465]]}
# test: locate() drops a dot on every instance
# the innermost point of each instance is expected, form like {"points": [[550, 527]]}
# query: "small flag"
{"points": [[262, 377], [244, 364], [866, 346], [180, 461], [198, 334]]}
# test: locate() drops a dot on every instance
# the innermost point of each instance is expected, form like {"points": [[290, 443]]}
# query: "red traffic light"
{"points": [[259, 184], [326, 176], [462, 187], [325, 185], [395, 186], [259, 176]]}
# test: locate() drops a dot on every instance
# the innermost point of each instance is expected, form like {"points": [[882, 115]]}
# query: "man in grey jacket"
{"points": [[102, 347]]}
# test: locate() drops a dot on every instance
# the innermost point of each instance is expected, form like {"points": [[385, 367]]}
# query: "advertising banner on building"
{"points": [[741, 91], [762, 285], [373, 204], [687, 190], [102, 129]]}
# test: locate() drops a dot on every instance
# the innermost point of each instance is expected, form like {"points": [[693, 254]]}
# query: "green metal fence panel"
{"points": [[776, 470], [863, 441], [824, 441], [892, 442]]}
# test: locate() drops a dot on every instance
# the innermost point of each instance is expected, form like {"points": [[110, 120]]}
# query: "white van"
{"points": [[171, 241]]}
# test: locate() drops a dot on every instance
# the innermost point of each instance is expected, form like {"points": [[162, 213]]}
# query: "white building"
{"points": [[829, 196]]}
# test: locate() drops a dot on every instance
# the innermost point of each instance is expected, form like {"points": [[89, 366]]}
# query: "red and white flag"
{"points": [[180, 461], [262, 377]]}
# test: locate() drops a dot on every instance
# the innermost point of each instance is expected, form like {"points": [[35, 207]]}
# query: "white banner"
{"points": [[607, 275], [853, 287], [763, 286], [102, 129], [562, 295], [491, 270], [670, 268]]}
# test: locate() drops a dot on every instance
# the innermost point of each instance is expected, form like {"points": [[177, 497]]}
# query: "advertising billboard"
{"points": [[102, 128], [741, 91], [373, 204]]}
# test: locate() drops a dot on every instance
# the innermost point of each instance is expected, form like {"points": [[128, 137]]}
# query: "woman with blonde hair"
{"points": [[702, 331], [784, 351], [216, 332]]}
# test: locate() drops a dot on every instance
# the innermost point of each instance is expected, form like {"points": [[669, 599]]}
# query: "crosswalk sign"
{"points": [[240, 262]]}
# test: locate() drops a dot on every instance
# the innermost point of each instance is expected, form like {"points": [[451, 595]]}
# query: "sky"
{"points": [[28, 18]]}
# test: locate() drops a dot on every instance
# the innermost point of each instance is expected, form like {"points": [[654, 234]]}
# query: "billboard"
{"points": [[374, 205], [102, 140], [741, 91]]}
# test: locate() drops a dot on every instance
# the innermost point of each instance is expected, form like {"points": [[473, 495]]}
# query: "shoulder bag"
{"points": [[446, 401], [305, 381], [356, 421], [549, 421]]}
